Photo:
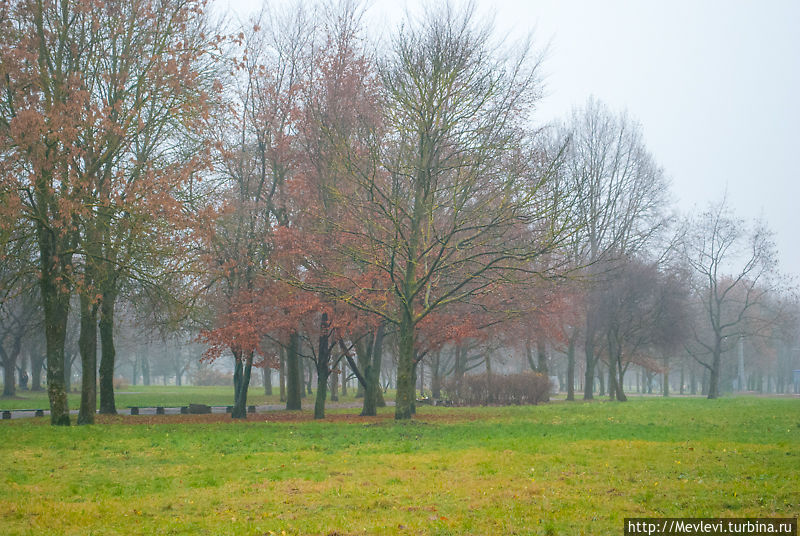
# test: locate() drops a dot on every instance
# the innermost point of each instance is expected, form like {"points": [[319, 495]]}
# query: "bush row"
{"points": [[210, 376], [511, 389]]}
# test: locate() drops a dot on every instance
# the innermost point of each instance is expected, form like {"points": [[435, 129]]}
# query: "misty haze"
{"points": [[437, 268]]}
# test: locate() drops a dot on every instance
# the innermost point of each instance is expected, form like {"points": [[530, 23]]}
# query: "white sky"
{"points": [[714, 84]]}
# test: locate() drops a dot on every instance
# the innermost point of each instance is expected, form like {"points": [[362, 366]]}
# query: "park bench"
{"points": [[36, 412], [193, 409]]}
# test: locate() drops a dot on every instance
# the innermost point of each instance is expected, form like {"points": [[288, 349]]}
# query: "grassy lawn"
{"points": [[159, 395], [555, 469]]}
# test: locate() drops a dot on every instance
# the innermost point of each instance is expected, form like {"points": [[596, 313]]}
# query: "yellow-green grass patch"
{"points": [[553, 469]]}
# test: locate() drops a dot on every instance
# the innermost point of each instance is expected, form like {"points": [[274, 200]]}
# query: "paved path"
{"points": [[30, 413]]}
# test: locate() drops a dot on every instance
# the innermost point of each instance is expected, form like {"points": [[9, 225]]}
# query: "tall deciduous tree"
{"points": [[441, 206], [622, 198], [92, 91], [257, 158], [733, 264], [43, 50], [156, 78]]}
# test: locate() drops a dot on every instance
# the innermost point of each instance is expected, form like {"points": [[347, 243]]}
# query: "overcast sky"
{"points": [[714, 84]]}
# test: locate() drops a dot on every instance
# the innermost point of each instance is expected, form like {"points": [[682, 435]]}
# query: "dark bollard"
{"points": [[251, 409], [160, 410], [199, 409], [184, 410], [134, 410], [6, 415], [39, 413]]}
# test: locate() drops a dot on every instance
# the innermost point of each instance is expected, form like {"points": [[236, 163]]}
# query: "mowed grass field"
{"points": [[561, 468]]}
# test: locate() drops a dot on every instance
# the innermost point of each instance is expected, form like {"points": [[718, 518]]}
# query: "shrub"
{"points": [[120, 382], [209, 376], [511, 389]]}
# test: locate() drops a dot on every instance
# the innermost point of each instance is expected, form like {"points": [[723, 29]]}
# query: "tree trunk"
{"points": [[380, 402], [343, 366], [301, 382], [37, 363], [23, 372], [612, 379], [10, 365], [108, 355], [241, 382], [601, 378], [459, 365], [529, 354], [412, 386], [294, 381], [56, 314], [282, 375], [420, 374], [591, 362], [489, 383], [405, 369], [372, 390], [334, 385], [713, 381], [665, 379], [309, 379], [591, 359], [436, 376], [541, 356], [266, 379], [571, 368], [145, 369], [323, 368], [68, 360], [87, 343], [621, 396], [9, 382], [615, 370], [322, 392], [360, 388], [704, 382]]}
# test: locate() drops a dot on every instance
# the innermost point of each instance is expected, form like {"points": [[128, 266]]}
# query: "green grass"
{"points": [[555, 469], [158, 395]]}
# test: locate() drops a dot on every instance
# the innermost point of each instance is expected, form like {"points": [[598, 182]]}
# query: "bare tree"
{"points": [[622, 195], [733, 264]]}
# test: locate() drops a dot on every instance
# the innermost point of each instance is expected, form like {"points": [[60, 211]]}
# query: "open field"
{"points": [[554, 469]]}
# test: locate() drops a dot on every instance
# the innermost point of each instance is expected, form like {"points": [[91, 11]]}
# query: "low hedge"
{"points": [[506, 390]]}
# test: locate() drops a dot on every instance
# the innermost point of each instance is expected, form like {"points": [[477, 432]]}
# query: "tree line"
{"points": [[296, 194]]}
